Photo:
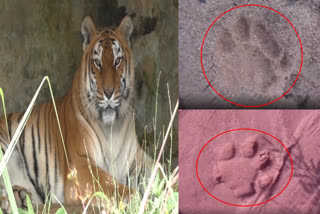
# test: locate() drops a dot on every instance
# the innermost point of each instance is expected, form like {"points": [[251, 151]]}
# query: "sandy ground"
{"points": [[246, 167], [251, 55]]}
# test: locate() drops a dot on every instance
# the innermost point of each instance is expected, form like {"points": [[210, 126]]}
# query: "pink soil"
{"points": [[246, 167]]}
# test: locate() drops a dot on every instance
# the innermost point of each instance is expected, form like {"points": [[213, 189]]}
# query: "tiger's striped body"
{"points": [[97, 121]]}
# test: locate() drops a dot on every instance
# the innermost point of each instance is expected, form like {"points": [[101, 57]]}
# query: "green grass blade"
{"points": [[61, 210], [60, 130], [62, 207], [97, 194], [6, 178], [154, 172], [4, 110], [29, 205]]}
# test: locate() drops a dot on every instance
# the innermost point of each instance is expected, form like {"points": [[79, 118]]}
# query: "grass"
{"points": [[161, 195]]}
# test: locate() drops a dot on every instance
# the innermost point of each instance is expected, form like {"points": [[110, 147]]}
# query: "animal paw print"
{"points": [[250, 58], [248, 168]]}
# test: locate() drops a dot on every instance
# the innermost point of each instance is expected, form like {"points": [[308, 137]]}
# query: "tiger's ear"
{"points": [[126, 27], [87, 30]]}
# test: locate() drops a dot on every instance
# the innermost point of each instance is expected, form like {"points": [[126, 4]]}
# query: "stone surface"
{"points": [[40, 38], [251, 55]]}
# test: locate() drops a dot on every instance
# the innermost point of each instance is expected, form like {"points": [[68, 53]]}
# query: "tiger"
{"points": [[97, 122]]}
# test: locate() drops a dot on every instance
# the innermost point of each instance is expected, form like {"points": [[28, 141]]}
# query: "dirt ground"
{"points": [[246, 167], [251, 55]]}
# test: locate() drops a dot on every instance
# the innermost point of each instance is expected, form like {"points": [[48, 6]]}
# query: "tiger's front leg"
{"points": [[83, 181]]}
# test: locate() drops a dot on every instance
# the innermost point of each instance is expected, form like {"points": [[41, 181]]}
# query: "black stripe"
{"points": [[129, 64], [88, 67], [2, 136], [45, 120], [57, 147], [38, 125], [22, 140], [46, 129], [48, 186], [85, 65], [49, 120], [35, 159], [20, 117], [19, 120], [138, 180], [3, 139], [132, 168], [45, 142], [127, 181], [9, 125], [55, 170], [46, 154], [92, 84], [58, 168], [38, 190]]}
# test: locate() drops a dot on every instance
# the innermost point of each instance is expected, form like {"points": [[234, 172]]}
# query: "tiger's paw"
{"points": [[20, 195]]}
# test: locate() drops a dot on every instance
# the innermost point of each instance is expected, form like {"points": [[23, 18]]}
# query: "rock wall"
{"points": [[39, 38]]}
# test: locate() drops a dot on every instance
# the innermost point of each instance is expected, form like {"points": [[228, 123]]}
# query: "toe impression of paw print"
{"points": [[251, 57]]}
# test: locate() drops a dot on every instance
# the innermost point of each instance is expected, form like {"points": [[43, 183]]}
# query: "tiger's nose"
{"points": [[108, 92]]}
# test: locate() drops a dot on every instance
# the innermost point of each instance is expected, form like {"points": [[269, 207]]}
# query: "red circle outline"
{"points": [[244, 129], [248, 5]]}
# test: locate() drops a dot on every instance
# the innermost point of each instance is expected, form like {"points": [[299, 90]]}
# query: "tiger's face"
{"points": [[108, 70]]}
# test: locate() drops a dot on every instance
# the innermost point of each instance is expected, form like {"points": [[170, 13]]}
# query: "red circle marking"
{"points": [[250, 5], [244, 129]]}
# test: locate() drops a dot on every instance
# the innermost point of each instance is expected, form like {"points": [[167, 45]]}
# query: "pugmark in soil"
{"points": [[251, 55], [252, 169], [248, 168]]}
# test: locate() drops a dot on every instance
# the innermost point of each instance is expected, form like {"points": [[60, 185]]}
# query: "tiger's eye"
{"points": [[118, 61], [97, 63]]}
